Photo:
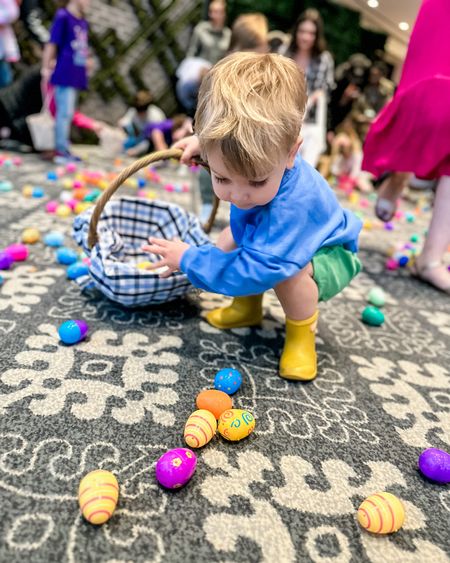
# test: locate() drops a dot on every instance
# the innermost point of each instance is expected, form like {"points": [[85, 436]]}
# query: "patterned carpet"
{"points": [[120, 399]]}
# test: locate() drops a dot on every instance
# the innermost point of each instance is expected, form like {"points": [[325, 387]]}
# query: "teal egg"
{"points": [[376, 296], [372, 316]]}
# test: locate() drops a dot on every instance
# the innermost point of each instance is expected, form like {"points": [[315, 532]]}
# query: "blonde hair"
{"points": [[249, 32], [251, 107]]}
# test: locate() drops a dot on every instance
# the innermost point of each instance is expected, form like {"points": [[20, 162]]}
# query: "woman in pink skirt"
{"points": [[412, 134]]}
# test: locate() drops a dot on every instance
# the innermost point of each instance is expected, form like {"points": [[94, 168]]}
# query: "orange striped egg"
{"points": [[381, 513], [200, 428], [97, 495]]}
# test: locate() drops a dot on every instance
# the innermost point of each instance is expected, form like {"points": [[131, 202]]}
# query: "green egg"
{"points": [[376, 297], [372, 316]]}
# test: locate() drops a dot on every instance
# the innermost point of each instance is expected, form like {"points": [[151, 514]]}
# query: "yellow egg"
{"points": [[381, 513], [235, 424], [97, 496], [30, 236], [353, 198], [27, 191], [367, 224], [63, 210], [82, 206], [200, 428], [103, 184], [67, 183]]}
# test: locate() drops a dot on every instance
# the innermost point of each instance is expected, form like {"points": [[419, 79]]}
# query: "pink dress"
{"points": [[412, 133]]}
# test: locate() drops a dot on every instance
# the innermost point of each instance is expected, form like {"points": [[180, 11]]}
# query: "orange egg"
{"points": [[214, 401]]}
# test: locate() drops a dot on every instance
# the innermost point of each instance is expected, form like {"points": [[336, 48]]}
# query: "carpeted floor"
{"points": [[120, 399]]}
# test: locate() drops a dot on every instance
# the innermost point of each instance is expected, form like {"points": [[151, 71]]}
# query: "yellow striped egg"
{"points": [[235, 424], [200, 428], [97, 495], [381, 513]]}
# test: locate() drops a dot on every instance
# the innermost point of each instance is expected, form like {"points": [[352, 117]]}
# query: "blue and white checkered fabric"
{"points": [[125, 225]]}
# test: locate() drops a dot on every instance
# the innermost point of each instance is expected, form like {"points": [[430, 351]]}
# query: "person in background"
{"points": [[411, 134], [9, 49], [136, 120], [210, 39], [64, 64], [308, 50], [371, 101]]}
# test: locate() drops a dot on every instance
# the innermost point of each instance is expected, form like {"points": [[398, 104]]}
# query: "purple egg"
{"points": [[5, 261], [175, 468], [83, 326], [435, 464]]}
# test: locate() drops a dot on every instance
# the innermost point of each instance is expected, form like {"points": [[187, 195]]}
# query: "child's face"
{"points": [[246, 193]]}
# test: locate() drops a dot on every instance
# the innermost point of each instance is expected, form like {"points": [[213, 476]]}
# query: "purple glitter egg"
{"points": [[175, 468], [5, 261], [72, 332], [435, 464]]}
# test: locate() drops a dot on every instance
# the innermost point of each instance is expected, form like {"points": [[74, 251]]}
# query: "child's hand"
{"points": [[191, 148], [171, 251]]}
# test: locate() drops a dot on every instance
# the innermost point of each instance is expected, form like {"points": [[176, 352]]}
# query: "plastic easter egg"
{"points": [[52, 175], [81, 206], [228, 380], [80, 193], [63, 210], [435, 464], [30, 236], [38, 192], [414, 238], [51, 206], [76, 270], [18, 252], [388, 227], [376, 296], [200, 428], [175, 468], [410, 217], [17, 161], [381, 513], [391, 264], [97, 495], [65, 196], [54, 239], [141, 182], [6, 261], [372, 316], [72, 332], [403, 260], [6, 186], [71, 167], [27, 191], [214, 401], [66, 256], [236, 424]]}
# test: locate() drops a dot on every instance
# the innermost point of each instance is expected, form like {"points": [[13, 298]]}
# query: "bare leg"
{"points": [[388, 193], [429, 263], [299, 295]]}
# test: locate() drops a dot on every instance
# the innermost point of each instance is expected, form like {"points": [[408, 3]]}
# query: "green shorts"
{"points": [[334, 268]]}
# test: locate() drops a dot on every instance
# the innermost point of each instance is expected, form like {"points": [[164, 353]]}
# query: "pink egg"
{"points": [[169, 188], [391, 264], [18, 252], [52, 206], [77, 184], [71, 167], [72, 203], [174, 468], [364, 202]]}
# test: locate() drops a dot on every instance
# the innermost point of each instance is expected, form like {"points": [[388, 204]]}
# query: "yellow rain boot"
{"points": [[243, 311], [299, 360]]}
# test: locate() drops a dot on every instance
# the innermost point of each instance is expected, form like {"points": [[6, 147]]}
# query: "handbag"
{"points": [[42, 127]]}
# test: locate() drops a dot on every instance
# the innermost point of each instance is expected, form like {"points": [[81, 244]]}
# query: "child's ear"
{"points": [[293, 152]]}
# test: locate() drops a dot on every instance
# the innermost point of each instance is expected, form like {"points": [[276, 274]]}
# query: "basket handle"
{"points": [[124, 175]]}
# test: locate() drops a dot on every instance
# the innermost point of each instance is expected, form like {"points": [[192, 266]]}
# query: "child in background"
{"points": [[136, 121], [9, 49], [287, 230], [64, 62]]}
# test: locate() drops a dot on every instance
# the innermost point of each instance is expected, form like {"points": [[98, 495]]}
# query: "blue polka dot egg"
{"points": [[228, 380]]}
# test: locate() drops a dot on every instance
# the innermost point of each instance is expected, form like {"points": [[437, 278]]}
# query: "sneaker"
{"points": [[65, 157]]}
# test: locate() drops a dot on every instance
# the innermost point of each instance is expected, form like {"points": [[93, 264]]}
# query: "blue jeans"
{"points": [[5, 74], [65, 100]]}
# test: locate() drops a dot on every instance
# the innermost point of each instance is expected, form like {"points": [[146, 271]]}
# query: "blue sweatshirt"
{"points": [[275, 241]]}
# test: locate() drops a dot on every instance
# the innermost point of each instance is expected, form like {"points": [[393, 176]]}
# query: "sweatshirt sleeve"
{"points": [[237, 273]]}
